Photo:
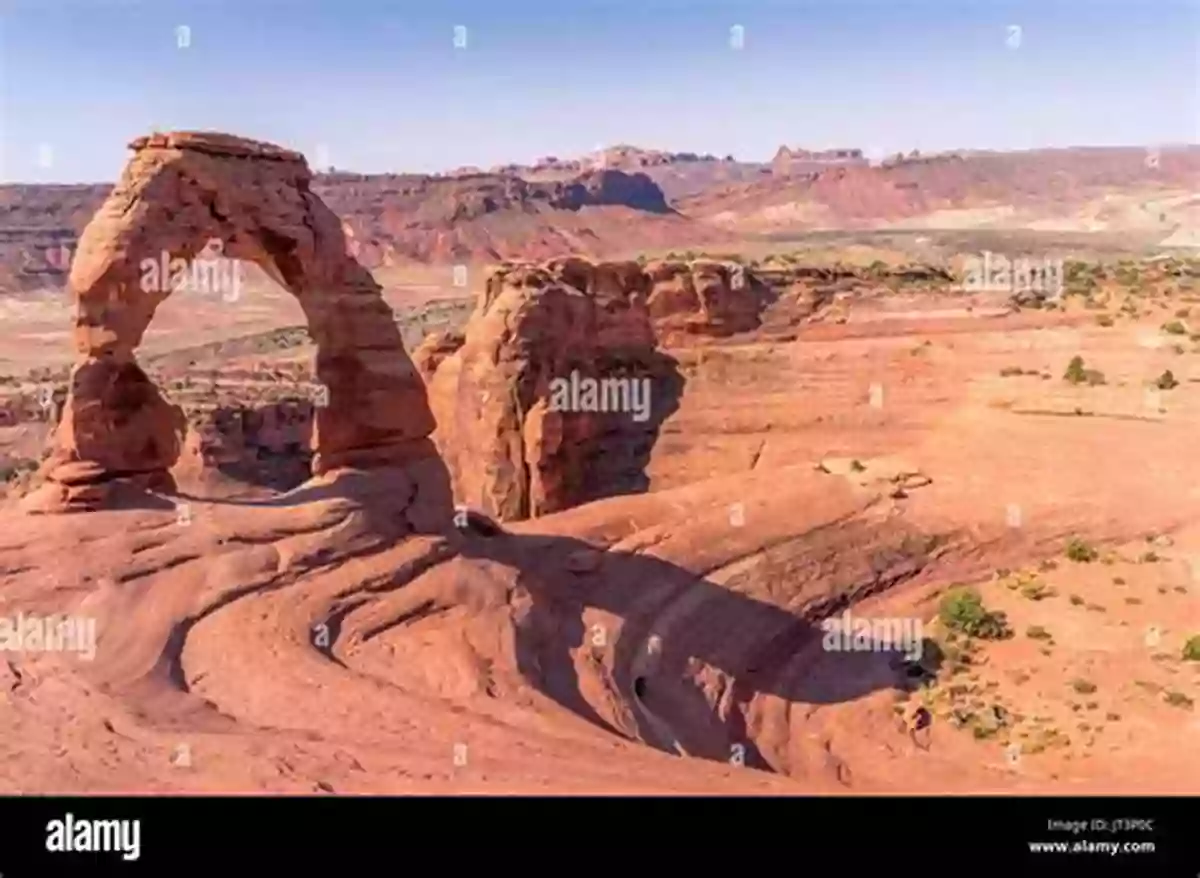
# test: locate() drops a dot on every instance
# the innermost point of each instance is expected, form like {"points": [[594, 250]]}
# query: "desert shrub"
{"points": [[1191, 649], [1037, 632], [1081, 552], [1166, 381], [1083, 687], [1174, 327], [1077, 373], [962, 611], [1104, 320], [1037, 591], [1178, 699]]}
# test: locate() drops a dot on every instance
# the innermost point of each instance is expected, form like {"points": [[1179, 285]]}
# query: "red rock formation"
{"points": [[790, 161], [267, 446], [514, 450], [702, 298], [179, 193], [430, 353]]}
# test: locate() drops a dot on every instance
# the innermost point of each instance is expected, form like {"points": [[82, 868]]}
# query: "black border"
{"points": [[904, 835]]}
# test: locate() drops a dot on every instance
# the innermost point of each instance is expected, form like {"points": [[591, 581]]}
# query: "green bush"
{"points": [[1191, 649], [1081, 552], [962, 611], [1077, 374]]}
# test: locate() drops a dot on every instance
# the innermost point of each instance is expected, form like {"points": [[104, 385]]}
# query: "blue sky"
{"points": [[378, 85]]}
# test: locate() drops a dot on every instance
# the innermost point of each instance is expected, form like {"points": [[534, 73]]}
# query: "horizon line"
{"points": [[497, 170]]}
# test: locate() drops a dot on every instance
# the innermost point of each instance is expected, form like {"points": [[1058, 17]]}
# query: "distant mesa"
{"points": [[622, 157], [625, 199], [917, 158], [788, 161]]}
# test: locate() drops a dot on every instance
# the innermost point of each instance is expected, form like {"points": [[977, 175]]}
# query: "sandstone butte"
{"points": [[510, 453]]}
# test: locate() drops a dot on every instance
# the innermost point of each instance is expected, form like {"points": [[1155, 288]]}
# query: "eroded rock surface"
{"points": [[182, 193], [268, 446], [430, 353], [557, 392], [703, 298]]}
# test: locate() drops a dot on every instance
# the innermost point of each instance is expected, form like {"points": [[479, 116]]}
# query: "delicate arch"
{"points": [[245, 200]]}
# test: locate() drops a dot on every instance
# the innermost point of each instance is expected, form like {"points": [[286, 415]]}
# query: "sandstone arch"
{"points": [[178, 192]]}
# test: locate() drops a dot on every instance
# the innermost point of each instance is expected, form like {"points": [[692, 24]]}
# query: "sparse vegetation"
{"points": [[1037, 632], [1081, 552], [1178, 699], [1166, 381], [1037, 591], [1083, 687], [962, 611], [1077, 373], [1174, 327], [1191, 649]]}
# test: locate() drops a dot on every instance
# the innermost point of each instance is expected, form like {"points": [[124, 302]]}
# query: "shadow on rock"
{"points": [[620, 452], [688, 655]]}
